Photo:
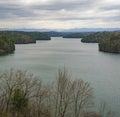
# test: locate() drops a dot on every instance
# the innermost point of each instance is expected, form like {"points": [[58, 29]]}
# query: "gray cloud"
{"points": [[11, 11], [114, 18], [84, 11], [57, 5], [111, 7]]}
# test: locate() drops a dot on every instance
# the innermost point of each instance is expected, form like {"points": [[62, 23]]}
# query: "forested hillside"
{"points": [[111, 44], [97, 36]]}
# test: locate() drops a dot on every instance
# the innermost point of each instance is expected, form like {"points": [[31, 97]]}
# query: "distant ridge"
{"points": [[25, 29], [92, 29], [62, 30]]}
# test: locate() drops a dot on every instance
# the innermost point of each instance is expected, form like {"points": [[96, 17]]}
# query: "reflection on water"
{"points": [[82, 60]]}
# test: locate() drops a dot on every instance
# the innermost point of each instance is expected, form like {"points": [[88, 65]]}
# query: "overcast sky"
{"points": [[59, 14]]}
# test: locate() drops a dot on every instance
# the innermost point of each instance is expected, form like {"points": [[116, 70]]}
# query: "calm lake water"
{"points": [[82, 60]]}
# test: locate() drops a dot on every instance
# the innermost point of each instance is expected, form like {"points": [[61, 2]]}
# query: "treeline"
{"points": [[56, 34], [21, 37], [97, 36], [67, 34], [24, 95], [76, 35], [7, 44]]}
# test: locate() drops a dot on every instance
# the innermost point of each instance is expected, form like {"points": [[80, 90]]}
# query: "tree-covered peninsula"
{"points": [[111, 44], [96, 37], [6, 44], [21, 37], [8, 39]]}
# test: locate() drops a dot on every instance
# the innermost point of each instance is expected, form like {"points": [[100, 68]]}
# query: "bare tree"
{"points": [[62, 94], [71, 97], [82, 95]]}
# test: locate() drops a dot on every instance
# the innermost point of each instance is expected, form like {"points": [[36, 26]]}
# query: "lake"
{"points": [[83, 60]]}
